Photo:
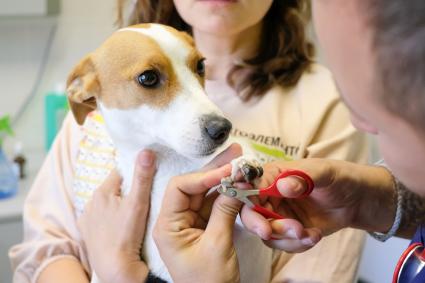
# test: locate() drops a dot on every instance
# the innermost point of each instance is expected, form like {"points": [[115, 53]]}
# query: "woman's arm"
{"points": [[54, 272], [113, 226], [49, 220]]}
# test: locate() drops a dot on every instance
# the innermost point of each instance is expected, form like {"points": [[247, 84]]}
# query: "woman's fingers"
{"points": [[112, 184], [118, 223], [144, 172]]}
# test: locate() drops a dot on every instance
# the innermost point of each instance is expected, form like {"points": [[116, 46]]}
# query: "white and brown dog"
{"points": [[147, 82]]}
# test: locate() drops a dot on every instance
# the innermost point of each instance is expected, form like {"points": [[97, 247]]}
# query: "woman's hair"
{"points": [[284, 53]]}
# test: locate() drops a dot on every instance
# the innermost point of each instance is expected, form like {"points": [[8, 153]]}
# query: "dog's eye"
{"points": [[148, 79], [200, 67]]}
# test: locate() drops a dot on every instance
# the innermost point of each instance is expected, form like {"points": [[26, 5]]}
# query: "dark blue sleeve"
{"points": [[419, 238], [420, 278]]}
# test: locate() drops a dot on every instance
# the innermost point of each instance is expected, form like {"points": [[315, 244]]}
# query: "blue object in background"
{"points": [[55, 109], [8, 177]]}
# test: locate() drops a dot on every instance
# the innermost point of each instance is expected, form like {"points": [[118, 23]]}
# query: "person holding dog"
{"points": [[382, 43], [260, 72], [372, 198]]}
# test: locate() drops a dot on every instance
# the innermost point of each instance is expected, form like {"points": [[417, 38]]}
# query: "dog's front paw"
{"points": [[249, 167]]}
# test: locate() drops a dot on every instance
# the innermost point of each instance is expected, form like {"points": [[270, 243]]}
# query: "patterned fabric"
{"points": [[95, 160]]}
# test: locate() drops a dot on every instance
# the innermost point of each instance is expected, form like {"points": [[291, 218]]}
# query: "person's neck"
{"points": [[223, 51]]}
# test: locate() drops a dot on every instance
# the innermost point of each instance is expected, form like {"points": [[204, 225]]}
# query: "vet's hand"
{"points": [[192, 251], [113, 227], [345, 195]]}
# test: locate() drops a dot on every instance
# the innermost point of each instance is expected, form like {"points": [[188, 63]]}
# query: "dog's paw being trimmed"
{"points": [[248, 166]]}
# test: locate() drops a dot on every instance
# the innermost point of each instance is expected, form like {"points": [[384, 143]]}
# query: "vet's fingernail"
{"points": [[308, 242], [146, 158], [290, 233]]}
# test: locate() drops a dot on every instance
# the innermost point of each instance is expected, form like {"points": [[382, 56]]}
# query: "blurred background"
{"points": [[40, 41]]}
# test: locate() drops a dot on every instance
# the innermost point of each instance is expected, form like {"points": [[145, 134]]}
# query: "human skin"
{"points": [[105, 212], [347, 42], [193, 250], [224, 31], [345, 195]]}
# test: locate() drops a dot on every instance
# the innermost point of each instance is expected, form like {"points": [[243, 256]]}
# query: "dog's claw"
{"points": [[251, 172], [250, 168]]}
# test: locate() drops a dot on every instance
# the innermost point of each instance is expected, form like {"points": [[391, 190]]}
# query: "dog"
{"points": [[147, 82]]}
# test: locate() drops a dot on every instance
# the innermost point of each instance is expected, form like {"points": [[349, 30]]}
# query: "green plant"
{"points": [[5, 128]]}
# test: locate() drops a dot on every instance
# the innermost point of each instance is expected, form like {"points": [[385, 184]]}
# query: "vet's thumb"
{"points": [[223, 216]]}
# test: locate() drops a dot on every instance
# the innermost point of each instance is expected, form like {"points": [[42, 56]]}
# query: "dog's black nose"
{"points": [[217, 128]]}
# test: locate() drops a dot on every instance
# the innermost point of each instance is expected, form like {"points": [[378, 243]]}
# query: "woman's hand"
{"points": [[195, 251], [113, 227], [345, 195]]}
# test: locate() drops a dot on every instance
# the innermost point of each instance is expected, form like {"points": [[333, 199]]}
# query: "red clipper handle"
{"points": [[274, 192], [266, 213]]}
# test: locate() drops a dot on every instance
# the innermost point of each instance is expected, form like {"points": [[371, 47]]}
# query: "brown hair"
{"points": [[284, 53], [398, 38]]}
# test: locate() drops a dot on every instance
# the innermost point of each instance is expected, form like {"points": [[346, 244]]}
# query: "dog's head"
{"points": [[147, 81]]}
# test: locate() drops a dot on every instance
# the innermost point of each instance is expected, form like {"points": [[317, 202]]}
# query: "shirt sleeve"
{"points": [[336, 257], [50, 227]]}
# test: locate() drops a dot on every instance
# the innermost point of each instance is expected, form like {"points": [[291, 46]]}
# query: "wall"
{"points": [[80, 28], [23, 44], [379, 259]]}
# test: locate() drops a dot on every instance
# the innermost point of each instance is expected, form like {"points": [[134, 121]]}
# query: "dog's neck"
{"points": [[168, 162]]}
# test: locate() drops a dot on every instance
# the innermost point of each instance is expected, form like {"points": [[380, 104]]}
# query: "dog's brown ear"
{"points": [[83, 88]]}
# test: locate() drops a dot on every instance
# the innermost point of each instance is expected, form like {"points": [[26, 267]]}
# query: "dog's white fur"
{"points": [[174, 133]]}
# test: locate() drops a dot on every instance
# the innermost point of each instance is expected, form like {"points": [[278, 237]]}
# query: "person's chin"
{"points": [[219, 26], [217, 2]]}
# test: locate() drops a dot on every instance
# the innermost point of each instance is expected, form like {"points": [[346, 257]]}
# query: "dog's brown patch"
{"points": [[185, 37], [194, 55], [146, 25], [121, 59], [192, 61], [82, 87], [110, 73]]}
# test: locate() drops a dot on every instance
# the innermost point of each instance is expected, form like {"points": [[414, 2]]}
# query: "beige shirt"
{"points": [[306, 121]]}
